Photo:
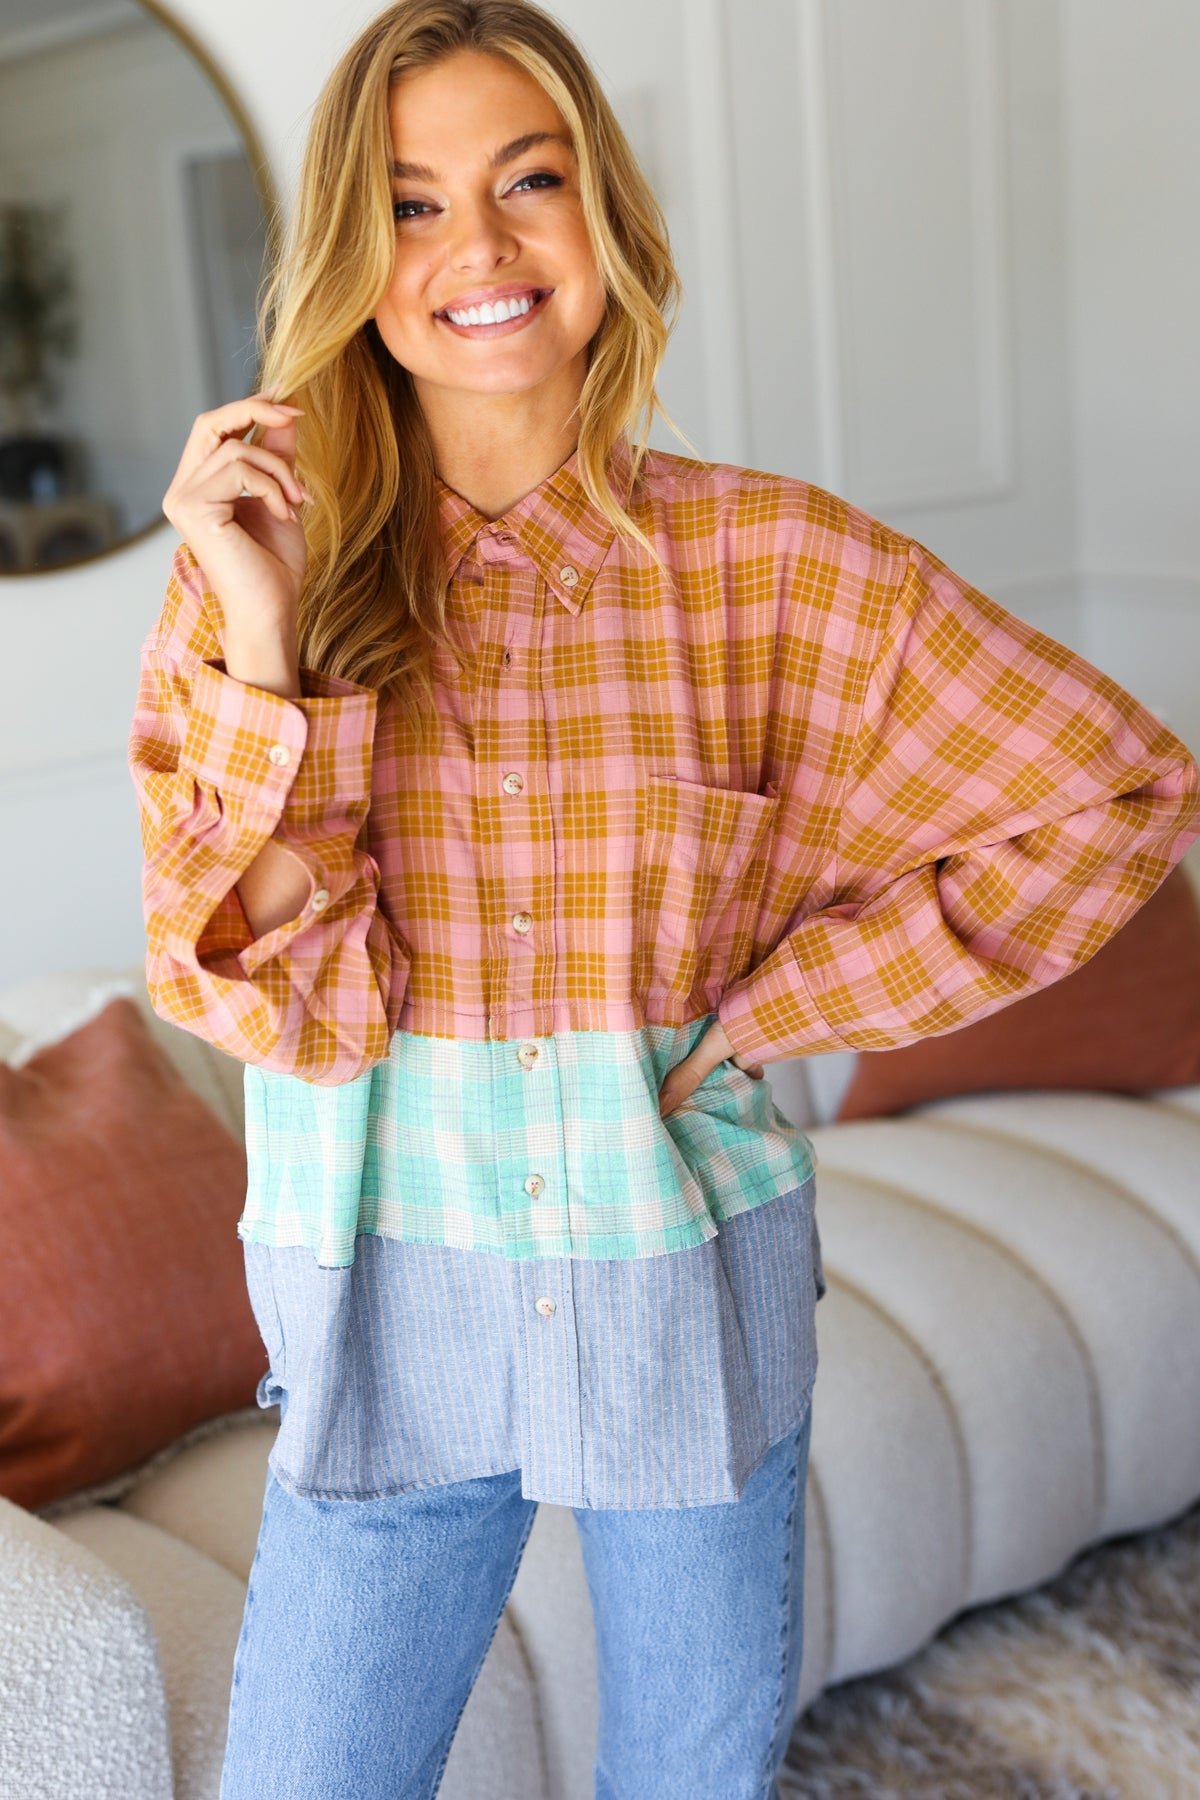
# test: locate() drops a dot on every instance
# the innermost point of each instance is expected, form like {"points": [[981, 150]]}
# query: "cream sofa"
{"points": [[1010, 1371]]}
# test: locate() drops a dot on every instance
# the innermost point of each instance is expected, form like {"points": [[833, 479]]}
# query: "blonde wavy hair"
{"points": [[374, 599]]}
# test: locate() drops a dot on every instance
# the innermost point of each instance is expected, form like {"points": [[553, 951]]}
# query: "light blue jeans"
{"points": [[367, 1622]]}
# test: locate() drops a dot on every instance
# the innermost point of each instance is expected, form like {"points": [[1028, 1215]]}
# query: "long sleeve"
{"points": [[1006, 808], [220, 767]]}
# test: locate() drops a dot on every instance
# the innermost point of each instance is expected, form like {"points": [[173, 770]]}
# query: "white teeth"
{"points": [[492, 314]]}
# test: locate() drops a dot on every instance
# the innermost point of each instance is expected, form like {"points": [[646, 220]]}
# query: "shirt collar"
{"points": [[557, 526]]}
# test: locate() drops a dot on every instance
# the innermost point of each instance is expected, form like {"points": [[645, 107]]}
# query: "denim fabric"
{"points": [[367, 1622]]}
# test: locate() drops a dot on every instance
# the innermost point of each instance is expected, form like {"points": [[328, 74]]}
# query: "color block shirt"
{"points": [[796, 774]]}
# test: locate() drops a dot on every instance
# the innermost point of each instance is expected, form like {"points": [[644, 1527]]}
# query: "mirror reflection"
{"points": [[133, 236]]}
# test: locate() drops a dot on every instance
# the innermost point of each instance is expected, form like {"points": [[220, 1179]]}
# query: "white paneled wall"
{"points": [[908, 235], [1133, 186], [936, 257], [898, 232]]}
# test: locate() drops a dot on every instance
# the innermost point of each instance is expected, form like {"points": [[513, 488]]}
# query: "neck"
{"points": [[493, 449]]}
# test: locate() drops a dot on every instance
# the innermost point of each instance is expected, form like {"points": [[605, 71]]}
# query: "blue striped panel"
{"points": [[655, 1381]]}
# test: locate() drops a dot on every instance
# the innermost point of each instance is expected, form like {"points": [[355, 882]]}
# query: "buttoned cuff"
{"points": [[324, 886], [771, 1013], [309, 757]]}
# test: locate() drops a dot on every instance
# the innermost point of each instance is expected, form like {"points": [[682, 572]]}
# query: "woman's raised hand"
{"points": [[250, 545]]}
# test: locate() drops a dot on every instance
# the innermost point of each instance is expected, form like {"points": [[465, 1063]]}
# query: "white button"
{"points": [[522, 922], [527, 1055], [320, 900], [512, 784], [279, 754], [568, 575], [534, 1184], [545, 1305]]}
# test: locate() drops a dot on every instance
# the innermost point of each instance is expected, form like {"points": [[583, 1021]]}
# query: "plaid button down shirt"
{"points": [[801, 777]]}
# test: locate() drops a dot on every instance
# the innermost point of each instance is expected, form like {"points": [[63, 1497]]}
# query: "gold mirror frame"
{"points": [[260, 170]]}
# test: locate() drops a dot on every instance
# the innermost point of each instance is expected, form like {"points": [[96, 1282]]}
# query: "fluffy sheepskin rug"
{"points": [[1086, 1689]]}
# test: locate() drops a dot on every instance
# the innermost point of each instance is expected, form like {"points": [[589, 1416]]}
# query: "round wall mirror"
{"points": [[135, 215]]}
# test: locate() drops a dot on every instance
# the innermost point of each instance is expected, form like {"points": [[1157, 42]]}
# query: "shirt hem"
{"points": [[337, 1250], [579, 1501]]}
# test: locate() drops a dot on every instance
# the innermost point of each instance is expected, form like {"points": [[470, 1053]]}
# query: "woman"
{"points": [[510, 796]]}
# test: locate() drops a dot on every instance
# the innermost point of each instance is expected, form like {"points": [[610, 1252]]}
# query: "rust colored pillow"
{"points": [[124, 1316], [1125, 1021]]}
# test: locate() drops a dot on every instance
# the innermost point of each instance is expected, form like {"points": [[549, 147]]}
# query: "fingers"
{"points": [[211, 429], [753, 1069], [236, 418], [234, 470], [255, 485], [677, 1085], [687, 1075], [281, 439], [240, 458], [669, 1097]]}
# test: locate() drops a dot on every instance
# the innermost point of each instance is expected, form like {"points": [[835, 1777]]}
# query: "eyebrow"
{"points": [[505, 154]]}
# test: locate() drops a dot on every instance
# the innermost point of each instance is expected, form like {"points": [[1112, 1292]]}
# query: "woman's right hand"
{"points": [[251, 548]]}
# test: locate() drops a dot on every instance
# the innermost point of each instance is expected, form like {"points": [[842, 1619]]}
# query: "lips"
{"points": [[491, 310]]}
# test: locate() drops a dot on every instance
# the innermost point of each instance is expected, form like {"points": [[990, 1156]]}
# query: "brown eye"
{"points": [[543, 179]]}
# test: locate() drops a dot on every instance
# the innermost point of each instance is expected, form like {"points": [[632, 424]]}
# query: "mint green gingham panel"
{"points": [[436, 1144]]}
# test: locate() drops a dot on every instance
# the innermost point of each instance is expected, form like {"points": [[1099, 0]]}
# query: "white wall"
{"points": [[1133, 181], [898, 228], [920, 268]]}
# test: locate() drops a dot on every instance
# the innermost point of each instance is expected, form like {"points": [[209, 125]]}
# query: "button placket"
{"points": [[508, 847], [532, 1164], [552, 1384], [517, 860]]}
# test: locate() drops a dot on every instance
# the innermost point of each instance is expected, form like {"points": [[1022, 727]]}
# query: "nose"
{"points": [[480, 238]]}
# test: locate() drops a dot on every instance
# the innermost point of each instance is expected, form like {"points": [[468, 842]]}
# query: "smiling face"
{"points": [[495, 289]]}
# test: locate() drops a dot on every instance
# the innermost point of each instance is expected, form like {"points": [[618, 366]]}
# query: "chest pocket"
{"points": [[701, 858]]}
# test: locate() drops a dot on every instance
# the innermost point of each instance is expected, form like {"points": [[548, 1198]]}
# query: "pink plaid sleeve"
{"points": [[1006, 808], [220, 767]]}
